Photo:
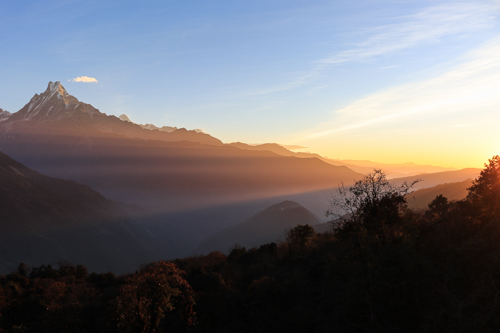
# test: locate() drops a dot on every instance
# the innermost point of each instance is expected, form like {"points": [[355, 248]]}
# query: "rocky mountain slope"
{"points": [[56, 111]]}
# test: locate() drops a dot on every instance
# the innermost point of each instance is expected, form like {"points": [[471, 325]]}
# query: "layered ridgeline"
{"points": [[196, 184], [166, 172], [44, 220], [269, 225], [438, 178], [60, 136], [361, 166], [421, 199]]}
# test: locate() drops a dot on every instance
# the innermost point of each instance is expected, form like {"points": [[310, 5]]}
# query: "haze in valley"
{"points": [[190, 120]]}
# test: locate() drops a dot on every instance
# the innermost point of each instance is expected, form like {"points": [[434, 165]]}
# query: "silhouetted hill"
{"points": [[44, 219], [267, 226], [420, 199]]}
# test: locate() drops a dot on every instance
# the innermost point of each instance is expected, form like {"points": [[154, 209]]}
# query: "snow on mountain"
{"points": [[149, 127], [55, 110], [4, 115], [152, 127], [54, 104]]}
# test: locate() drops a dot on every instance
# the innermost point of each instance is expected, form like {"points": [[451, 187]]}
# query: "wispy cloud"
{"points": [[429, 25], [294, 83], [469, 89], [84, 79]]}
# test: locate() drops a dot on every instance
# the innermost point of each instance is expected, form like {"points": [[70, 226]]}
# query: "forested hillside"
{"points": [[385, 268]]}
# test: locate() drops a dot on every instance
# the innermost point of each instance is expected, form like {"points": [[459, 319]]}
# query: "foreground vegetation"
{"points": [[383, 268]]}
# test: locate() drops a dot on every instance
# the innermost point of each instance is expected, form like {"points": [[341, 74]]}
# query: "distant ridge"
{"points": [[420, 199], [361, 166], [152, 127], [437, 178]]}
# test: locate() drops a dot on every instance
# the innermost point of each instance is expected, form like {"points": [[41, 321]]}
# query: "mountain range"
{"points": [[189, 184], [60, 136], [192, 183], [55, 111]]}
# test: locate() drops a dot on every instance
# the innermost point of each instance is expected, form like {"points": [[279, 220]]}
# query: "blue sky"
{"points": [[389, 81]]}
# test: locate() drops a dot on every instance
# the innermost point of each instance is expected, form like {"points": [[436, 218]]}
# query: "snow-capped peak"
{"points": [[53, 86], [124, 117], [56, 87], [53, 103]]}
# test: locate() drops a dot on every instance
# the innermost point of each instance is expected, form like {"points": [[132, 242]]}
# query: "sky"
{"points": [[387, 81]]}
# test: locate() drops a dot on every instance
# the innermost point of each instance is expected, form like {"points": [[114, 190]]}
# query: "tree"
{"points": [[373, 234], [23, 269], [484, 193], [371, 204], [300, 236], [149, 296], [438, 208]]}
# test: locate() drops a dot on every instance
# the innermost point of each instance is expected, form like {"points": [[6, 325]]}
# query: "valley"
{"points": [[174, 191]]}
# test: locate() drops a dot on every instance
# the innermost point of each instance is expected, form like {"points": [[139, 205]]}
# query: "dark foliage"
{"points": [[384, 268]]}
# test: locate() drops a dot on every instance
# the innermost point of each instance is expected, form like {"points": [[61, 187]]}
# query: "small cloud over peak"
{"points": [[84, 79]]}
